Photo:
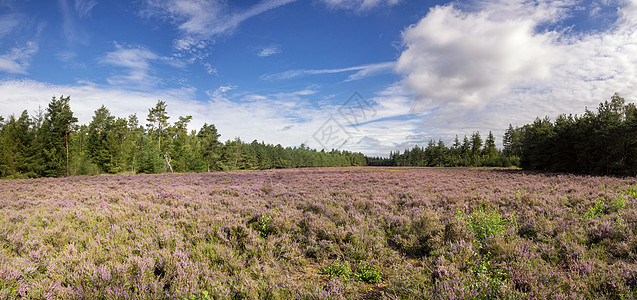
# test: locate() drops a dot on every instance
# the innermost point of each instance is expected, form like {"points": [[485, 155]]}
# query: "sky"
{"points": [[370, 76]]}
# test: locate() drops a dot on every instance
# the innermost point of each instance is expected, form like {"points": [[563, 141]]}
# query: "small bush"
{"points": [[365, 272], [489, 279], [338, 268], [597, 210], [632, 192], [368, 273], [619, 202], [262, 224], [487, 223]]}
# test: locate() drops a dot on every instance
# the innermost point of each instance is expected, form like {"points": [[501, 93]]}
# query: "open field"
{"points": [[320, 233]]}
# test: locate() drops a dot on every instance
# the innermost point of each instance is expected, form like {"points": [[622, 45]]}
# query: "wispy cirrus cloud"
{"points": [[73, 32], [200, 21], [136, 61], [269, 51], [358, 5], [17, 60], [7, 23], [362, 71], [84, 7]]}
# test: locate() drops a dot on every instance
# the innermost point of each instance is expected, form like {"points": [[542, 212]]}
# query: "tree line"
{"points": [[597, 143], [52, 144], [471, 152]]}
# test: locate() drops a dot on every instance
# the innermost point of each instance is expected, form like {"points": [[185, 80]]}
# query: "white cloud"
{"points": [[468, 58], [371, 70], [86, 97], [17, 60], [137, 62], [84, 7], [73, 32], [481, 68], [269, 51], [358, 5], [361, 72], [8, 23], [201, 20], [210, 69]]}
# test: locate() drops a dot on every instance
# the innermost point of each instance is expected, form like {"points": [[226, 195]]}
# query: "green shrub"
{"points": [[488, 279], [368, 273], [338, 268], [632, 192], [487, 223], [597, 210], [365, 272], [619, 202]]}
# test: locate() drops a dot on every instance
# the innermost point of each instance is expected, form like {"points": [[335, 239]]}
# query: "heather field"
{"points": [[325, 233]]}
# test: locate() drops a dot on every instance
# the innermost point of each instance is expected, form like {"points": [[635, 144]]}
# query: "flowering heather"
{"points": [[325, 233]]}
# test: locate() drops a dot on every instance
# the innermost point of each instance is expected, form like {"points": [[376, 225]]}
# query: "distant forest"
{"points": [[51, 144], [597, 143]]}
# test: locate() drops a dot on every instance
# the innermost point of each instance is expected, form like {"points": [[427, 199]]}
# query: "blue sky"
{"points": [[363, 75]]}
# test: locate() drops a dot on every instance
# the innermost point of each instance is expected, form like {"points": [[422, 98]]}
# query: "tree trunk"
{"points": [[236, 156], [132, 166], [168, 162], [212, 158]]}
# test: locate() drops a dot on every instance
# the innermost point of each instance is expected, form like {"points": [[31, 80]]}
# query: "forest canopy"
{"points": [[51, 143]]}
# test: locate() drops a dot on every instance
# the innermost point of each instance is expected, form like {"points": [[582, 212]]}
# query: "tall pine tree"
{"points": [[58, 122]]}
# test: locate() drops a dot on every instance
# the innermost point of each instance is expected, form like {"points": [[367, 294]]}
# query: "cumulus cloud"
{"points": [[262, 115], [18, 60], [456, 57], [289, 118], [479, 68]]}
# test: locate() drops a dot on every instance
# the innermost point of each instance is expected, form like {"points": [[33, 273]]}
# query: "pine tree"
{"points": [[476, 145], [181, 152], [490, 151], [209, 141], [98, 131], [158, 119], [15, 138], [58, 122]]}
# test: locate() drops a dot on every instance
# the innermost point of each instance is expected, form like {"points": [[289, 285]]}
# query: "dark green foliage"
{"points": [[15, 140], [469, 153], [368, 273], [337, 268], [602, 143], [599, 143], [33, 147], [56, 126]]}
